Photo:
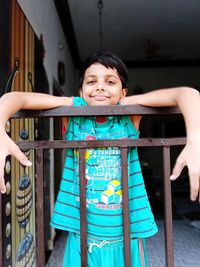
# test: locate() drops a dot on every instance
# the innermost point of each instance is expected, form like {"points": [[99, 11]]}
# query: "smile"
{"points": [[100, 97]]}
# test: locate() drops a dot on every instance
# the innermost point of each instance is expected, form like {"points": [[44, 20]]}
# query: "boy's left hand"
{"points": [[190, 157], [8, 147]]}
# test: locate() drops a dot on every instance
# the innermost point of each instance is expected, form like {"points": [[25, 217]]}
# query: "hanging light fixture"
{"points": [[100, 8]]}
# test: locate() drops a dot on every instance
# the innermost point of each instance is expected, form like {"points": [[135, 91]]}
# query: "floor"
{"points": [[186, 246]]}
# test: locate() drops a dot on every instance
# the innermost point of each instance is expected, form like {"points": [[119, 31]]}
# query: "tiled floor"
{"points": [[186, 246]]}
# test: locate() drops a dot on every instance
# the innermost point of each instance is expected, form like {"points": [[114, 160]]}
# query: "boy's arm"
{"points": [[9, 104], [188, 101]]}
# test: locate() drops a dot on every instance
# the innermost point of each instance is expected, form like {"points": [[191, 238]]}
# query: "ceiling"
{"points": [[141, 32]]}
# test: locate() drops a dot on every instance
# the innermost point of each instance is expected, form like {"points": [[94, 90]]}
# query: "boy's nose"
{"points": [[100, 89], [100, 86]]}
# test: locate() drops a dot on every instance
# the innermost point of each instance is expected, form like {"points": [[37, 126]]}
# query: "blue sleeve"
{"points": [[78, 101], [74, 121]]}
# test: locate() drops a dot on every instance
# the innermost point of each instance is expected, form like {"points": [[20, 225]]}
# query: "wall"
{"points": [[148, 79], [154, 78], [44, 19]]}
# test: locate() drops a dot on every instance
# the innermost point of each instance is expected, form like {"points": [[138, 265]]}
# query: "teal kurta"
{"points": [[103, 175]]}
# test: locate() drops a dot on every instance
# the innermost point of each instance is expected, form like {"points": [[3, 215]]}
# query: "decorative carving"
{"points": [[8, 230], [24, 135], [7, 127], [26, 251], [8, 251], [8, 209], [7, 167], [24, 200], [8, 188]]}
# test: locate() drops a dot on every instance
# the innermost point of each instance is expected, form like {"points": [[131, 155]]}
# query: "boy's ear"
{"points": [[124, 92]]}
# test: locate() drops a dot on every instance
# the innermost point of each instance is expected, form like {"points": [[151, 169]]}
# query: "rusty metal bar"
{"points": [[40, 208], [168, 209], [123, 143], [83, 213], [125, 203], [82, 145], [148, 142], [98, 111]]}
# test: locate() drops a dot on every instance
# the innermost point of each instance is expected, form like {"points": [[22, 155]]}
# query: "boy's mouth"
{"points": [[100, 97]]}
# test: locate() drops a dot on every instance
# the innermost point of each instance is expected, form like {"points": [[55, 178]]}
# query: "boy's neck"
{"points": [[101, 119]]}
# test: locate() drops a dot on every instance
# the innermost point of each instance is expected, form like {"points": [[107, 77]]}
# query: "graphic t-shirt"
{"points": [[103, 185]]}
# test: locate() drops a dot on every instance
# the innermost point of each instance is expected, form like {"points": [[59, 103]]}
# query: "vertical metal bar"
{"points": [[83, 216], [40, 208], [1, 231], [125, 202], [168, 209]]}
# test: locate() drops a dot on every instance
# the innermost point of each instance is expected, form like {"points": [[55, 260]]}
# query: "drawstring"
{"points": [[103, 243], [100, 245]]}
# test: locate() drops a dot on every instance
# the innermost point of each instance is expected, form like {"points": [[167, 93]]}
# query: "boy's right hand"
{"points": [[8, 147]]}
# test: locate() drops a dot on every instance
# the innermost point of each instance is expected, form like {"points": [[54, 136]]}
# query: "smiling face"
{"points": [[102, 86]]}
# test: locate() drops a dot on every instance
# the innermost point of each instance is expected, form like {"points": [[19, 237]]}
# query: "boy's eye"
{"points": [[110, 82], [90, 82]]}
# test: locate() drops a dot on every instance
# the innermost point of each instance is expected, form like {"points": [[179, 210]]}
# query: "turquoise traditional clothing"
{"points": [[103, 189], [104, 254]]}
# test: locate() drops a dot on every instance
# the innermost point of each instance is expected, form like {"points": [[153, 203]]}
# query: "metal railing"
{"points": [[40, 146]]}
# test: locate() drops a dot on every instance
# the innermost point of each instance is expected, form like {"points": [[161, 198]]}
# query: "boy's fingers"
{"points": [[193, 175], [2, 182], [177, 170], [2, 164], [194, 186], [19, 155], [2, 186]]}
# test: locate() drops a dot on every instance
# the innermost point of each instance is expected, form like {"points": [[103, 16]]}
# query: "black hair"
{"points": [[108, 60]]}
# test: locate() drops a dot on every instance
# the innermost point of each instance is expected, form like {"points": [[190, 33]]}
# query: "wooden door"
{"points": [[19, 201]]}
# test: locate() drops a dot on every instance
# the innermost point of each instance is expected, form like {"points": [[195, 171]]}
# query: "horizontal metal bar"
{"points": [[97, 111], [61, 144]]}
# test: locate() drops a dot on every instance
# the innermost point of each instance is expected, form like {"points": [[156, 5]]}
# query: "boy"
{"points": [[103, 81]]}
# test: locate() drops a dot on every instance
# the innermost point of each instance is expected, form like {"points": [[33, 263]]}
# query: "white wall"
{"points": [[44, 20]]}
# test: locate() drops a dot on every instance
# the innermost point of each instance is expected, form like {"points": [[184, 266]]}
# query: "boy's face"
{"points": [[102, 86]]}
